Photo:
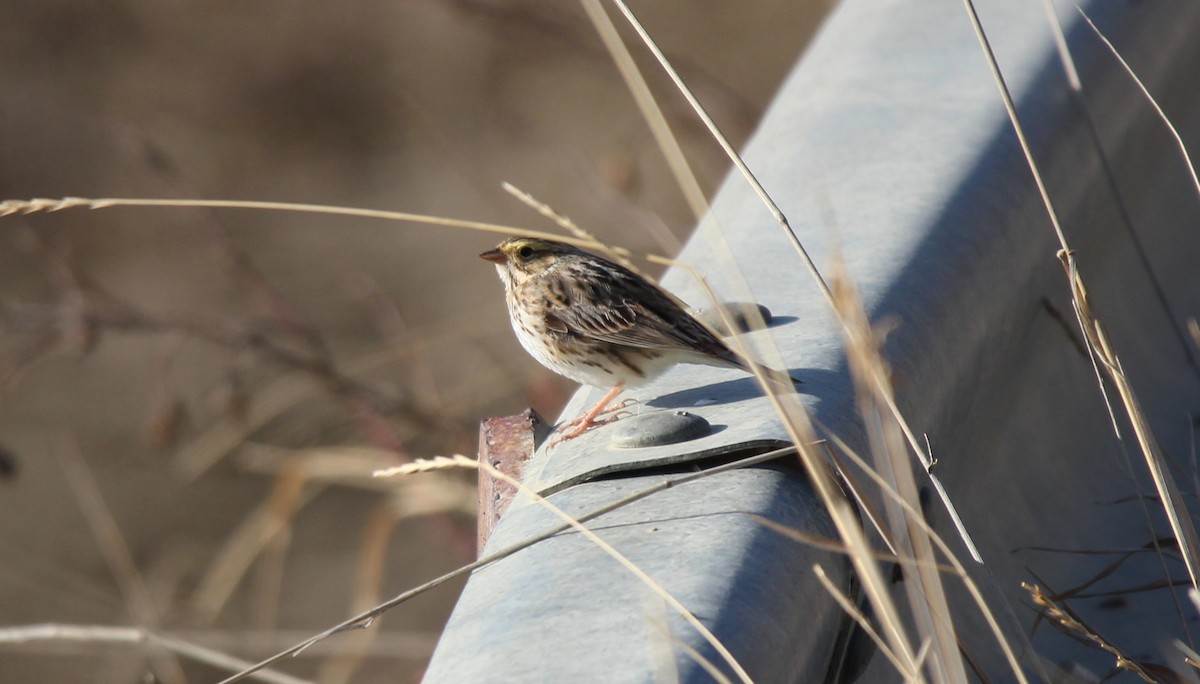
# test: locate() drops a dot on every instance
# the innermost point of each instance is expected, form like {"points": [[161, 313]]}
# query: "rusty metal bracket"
{"points": [[506, 444]]}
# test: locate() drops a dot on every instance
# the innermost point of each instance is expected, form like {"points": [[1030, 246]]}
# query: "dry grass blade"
{"points": [[972, 587], [340, 668], [351, 466], [101, 634], [242, 547], [1066, 619], [1171, 498], [827, 544], [348, 465], [425, 465], [441, 463], [1189, 654], [665, 668], [782, 220], [463, 461], [118, 557], [271, 402], [1093, 331], [1187, 158], [617, 254], [1159, 288], [928, 604], [38, 205], [700, 111], [855, 614], [651, 112]]}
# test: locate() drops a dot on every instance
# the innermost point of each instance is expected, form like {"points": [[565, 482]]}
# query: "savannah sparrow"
{"points": [[596, 322]]}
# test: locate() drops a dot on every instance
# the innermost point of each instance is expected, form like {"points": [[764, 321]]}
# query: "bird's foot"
{"points": [[578, 426], [600, 414]]}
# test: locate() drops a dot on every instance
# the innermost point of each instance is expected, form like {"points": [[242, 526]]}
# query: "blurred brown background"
{"points": [[200, 375]]}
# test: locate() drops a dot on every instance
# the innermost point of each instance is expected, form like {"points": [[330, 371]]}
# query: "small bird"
{"points": [[598, 323]]}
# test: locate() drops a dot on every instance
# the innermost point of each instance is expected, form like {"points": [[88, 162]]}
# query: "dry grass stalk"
{"points": [[300, 477], [1189, 654], [459, 460], [1098, 342], [38, 205], [1066, 619], [441, 463], [617, 254], [855, 614], [916, 516], [794, 416], [1183, 152], [283, 505], [102, 634], [827, 544], [781, 219], [342, 465], [247, 543], [340, 669], [671, 150], [927, 597], [882, 389], [117, 555]]}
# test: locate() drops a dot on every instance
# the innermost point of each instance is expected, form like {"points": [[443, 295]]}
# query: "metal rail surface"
{"points": [[888, 146]]}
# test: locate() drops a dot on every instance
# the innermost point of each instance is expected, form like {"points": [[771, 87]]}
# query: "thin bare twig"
{"points": [[103, 634], [117, 555]]}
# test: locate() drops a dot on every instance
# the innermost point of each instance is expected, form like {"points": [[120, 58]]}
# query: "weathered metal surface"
{"points": [[892, 126], [565, 611], [506, 444]]}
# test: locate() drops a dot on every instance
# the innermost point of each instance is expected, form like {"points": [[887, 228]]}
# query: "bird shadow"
{"points": [[740, 389]]}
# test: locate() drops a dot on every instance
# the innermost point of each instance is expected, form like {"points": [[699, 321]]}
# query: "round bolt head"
{"points": [[658, 429]]}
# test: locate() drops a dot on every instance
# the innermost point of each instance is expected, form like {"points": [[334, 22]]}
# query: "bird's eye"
{"points": [[525, 252]]}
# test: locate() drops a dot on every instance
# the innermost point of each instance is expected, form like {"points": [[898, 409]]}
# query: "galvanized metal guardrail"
{"points": [[892, 121]]}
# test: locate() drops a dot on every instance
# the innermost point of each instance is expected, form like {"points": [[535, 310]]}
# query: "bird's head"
{"points": [[518, 259]]}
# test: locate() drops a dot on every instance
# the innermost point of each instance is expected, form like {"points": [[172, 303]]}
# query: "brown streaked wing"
{"points": [[622, 308]]}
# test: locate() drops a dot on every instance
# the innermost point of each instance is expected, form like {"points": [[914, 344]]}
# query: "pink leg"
{"points": [[588, 420]]}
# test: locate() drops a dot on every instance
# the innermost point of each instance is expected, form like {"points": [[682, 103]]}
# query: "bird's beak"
{"points": [[495, 256]]}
